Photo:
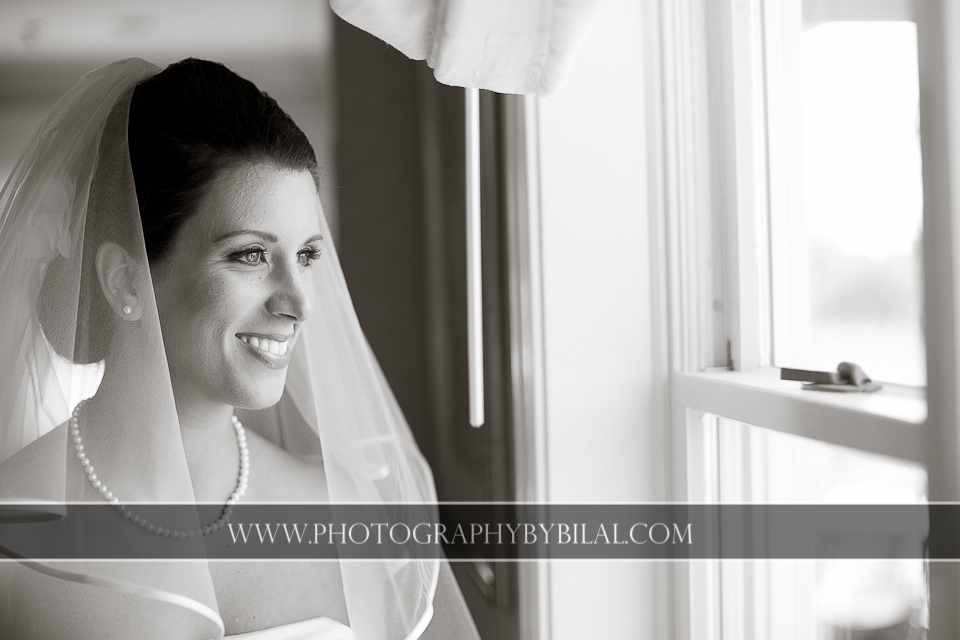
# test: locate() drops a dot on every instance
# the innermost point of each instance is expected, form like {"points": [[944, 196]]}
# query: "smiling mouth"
{"points": [[273, 352], [266, 345]]}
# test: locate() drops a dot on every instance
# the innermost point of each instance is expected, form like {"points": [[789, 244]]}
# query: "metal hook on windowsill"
{"points": [[848, 377]]}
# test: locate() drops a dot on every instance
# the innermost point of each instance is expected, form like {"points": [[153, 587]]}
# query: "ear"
{"points": [[117, 271]]}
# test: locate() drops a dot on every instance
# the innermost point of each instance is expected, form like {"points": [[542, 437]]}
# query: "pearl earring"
{"points": [[127, 309]]}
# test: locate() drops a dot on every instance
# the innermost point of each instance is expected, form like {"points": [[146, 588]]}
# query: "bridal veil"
{"points": [[71, 191]]}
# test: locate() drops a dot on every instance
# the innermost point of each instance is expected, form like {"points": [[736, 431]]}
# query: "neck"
{"points": [[209, 443], [208, 439], [198, 416]]}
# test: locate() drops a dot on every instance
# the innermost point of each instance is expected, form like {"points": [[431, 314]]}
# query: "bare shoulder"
{"points": [[276, 475]]}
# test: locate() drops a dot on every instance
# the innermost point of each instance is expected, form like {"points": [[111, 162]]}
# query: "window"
{"points": [[846, 219], [804, 600], [795, 201]]}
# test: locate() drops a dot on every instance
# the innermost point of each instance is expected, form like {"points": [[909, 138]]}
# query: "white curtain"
{"points": [[508, 46]]}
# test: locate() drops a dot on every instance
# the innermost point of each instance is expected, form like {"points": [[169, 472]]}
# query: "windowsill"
{"points": [[886, 422]]}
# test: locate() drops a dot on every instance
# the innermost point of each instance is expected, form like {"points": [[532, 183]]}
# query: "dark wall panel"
{"points": [[381, 210]]}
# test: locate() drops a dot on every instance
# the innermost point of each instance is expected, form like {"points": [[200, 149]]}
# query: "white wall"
{"points": [[599, 318], [19, 119]]}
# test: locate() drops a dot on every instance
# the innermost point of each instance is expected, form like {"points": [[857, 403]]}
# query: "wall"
{"points": [[599, 317], [19, 119]]}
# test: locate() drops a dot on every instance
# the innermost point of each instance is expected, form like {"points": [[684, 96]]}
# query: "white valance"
{"points": [[509, 46]]}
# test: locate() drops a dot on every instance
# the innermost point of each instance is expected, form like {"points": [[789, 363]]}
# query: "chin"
{"points": [[255, 394]]}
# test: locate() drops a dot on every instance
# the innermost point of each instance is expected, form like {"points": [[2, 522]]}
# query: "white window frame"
{"points": [[711, 183]]}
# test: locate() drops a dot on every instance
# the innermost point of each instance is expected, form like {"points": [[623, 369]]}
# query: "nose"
{"points": [[292, 296]]}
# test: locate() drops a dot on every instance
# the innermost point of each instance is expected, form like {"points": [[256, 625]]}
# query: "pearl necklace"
{"points": [[99, 485]]}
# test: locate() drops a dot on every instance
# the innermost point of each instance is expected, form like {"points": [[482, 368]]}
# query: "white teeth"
{"points": [[273, 347]]}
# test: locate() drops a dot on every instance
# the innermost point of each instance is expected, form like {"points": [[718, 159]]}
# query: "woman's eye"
{"points": [[253, 256], [308, 256]]}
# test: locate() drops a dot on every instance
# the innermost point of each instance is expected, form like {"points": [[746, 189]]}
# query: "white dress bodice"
{"points": [[312, 629]]}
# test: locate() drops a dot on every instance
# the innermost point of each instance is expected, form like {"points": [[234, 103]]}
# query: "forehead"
{"points": [[258, 197]]}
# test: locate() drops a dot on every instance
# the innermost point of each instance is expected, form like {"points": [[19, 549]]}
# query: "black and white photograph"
{"points": [[480, 320]]}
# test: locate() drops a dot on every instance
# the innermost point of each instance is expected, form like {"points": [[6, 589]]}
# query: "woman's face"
{"points": [[236, 286]]}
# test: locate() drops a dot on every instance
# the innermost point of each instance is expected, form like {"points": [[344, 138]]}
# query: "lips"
{"points": [[272, 350]]}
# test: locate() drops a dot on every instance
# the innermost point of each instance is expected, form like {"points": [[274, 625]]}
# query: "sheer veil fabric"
{"points": [[60, 343]]}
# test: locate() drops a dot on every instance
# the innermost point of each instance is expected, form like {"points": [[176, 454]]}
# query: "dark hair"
{"points": [[190, 122]]}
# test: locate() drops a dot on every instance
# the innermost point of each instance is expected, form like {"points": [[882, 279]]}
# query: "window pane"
{"points": [[856, 290], [822, 600]]}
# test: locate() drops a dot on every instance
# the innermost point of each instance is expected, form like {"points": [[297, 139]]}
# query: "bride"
{"points": [[176, 328]]}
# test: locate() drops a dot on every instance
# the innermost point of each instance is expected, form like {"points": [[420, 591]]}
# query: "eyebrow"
{"points": [[263, 234]]}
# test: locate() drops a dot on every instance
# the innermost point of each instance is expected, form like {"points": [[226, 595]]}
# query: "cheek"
{"points": [[205, 311]]}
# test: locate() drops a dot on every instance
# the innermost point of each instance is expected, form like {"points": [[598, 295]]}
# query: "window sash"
{"points": [[744, 156], [889, 423]]}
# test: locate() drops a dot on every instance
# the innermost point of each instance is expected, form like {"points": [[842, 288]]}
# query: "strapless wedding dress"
{"points": [[312, 629]]}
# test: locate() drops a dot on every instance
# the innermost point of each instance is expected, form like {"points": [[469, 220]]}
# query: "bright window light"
{"points": [[861, 202]]}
